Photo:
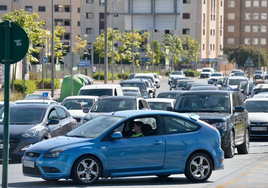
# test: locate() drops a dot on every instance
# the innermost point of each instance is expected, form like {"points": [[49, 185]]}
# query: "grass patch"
{"points": [[13, 96]]}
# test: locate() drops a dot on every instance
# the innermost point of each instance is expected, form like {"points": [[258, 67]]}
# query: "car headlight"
{"points": [[220, 125], [53, 153], [30, 134]]}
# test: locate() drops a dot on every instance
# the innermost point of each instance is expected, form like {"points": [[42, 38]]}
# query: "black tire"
{"points": [[244, 148], [88, 174], [163, 176], [198, 167], [230, 150]]}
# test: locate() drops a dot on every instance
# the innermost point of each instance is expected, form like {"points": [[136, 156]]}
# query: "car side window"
{"points": [[239, 100], [115, 92], [53, 114], [145, 104], [174, 125], [62, 113], [140, 105]]}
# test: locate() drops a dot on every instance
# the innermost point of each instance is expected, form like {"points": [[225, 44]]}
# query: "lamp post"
{"points": [[195, 61], [52, 49], [59, 50], [86, 52], [41, 48], [114, 1]]}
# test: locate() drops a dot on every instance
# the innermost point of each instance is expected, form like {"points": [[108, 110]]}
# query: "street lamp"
{"points": [[86, 52]]}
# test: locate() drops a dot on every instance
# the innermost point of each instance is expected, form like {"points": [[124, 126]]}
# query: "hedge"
{"points": [[191, 73], [30, 86], [167, 73], [47, 83], [96, 76], [124, 75]]}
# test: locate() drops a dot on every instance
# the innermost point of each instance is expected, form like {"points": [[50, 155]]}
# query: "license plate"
{"points": [[259, 128], [28, 164]]}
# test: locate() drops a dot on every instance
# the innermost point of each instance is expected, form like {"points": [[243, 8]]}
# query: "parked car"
{"points": [[175, 74], [101, 90], [261, 95], [223, 109], [258, 116], [76, 104], [33, 123], [103, 147], [114, 104], [206, 72], [170, 94], [160, 103], [234, 71]]}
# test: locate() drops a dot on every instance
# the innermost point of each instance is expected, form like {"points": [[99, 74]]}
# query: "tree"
{"points": [[239, 55], [80, 46]]}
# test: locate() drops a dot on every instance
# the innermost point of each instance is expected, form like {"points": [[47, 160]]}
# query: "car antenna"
{"points": [[113, 113]]}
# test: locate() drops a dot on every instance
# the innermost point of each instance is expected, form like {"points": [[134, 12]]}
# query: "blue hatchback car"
{"points": [[171, 143]]}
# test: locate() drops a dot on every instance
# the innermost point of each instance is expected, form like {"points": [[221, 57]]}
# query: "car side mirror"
{"points": [[86, 110], [150, 91], [239, 109], [116, 135], [53, 122], [169, 108]]}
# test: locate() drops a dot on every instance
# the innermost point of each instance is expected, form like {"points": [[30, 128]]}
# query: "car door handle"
{"points": [[157, 142]]}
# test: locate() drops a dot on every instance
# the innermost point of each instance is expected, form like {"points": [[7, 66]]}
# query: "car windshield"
{"points": [[176, 73], [258, 72], [24, 115], [235, 71], [169, 95], [257, 106], [145, 77], [159, 105], [206, 70], [235, 82], [216, 75], [131, 76], [111, 105], [239, 74], [96, 92], [141, 86], [203, 103], [155, 76], [182, 83], [95, 127], [260, 90], [77, 104]]}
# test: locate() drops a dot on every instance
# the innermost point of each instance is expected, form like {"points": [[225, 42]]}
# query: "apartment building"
{"points": [[246, 22], [44, 10]]}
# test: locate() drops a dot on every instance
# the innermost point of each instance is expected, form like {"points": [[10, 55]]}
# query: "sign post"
{"points": [[14, 44], [249, 64]]}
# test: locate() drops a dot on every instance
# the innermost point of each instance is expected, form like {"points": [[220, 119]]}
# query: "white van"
{"points": [[206, 72], [101, 90]]}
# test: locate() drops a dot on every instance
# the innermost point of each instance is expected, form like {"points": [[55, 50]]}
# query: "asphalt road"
{"points": [[242, 171]]}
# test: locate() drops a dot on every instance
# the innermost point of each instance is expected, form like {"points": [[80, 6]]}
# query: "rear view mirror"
{"points": [[53, 122], [116, 135]]}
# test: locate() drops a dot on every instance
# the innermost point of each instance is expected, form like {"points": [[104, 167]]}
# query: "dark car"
{"points": [[175, 81], [258, 74], [170, 94], [226, 111], [33, 123], [137, 83], [116, 103]]}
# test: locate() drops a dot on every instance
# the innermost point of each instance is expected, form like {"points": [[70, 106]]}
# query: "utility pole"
{"points": [[92, 39], [52, 49], [105, 42]]}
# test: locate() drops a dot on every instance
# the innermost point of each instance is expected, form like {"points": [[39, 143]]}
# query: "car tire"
{"points": [[163, 176], [86, 170], [244, 148], [198, 167], [230, 150]]}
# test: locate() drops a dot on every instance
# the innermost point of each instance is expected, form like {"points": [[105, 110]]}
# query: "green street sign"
{"points": [[19, 43]]}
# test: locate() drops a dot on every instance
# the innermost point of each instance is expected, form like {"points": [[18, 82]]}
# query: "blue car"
{"points": [[170, 143]]}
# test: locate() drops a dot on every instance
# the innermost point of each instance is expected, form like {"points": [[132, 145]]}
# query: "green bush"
{"points": [[191, 73], [167, 73], [96, 76], [30, 86], [33, 76], [47, 83], [124, 75]]}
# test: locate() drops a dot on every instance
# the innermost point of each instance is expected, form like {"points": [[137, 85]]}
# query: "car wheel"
{"points": [[244, 148], [230, 150], [163, 176], [198, 167], [86, 170]]}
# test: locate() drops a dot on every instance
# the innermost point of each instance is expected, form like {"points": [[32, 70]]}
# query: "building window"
{"points": [[263, 29], [221, 3], [29, 8], [78, 10], [89, 15], [3, 7], [204, 2], [186, 16], [78, 23], [255, 41], [247, 28], [255, 3], [66, 43], [231, 16], [89, 1], [255, 29], [41, 9], [230, 41], [88, 30], [231, 28], [210, 47], [101, 2], [214, 32], [61, 8], [101, 31], [203, 46], [66, 36], [67, 22], [186, 31], [255, 16], [247, 16], [247, 41], [263, 3], [263, 16], [211, 32], [214, 47], [231, 4], [263, 41], [58, 22], [16, 0], [167, 31], [204, 32], [248, 4], [156, 31], [186, 2]]}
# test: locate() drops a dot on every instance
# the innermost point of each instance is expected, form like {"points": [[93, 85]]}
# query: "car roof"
{"points": [[132, 81], [31, 106], [134, 88], [34, 101], [205, 87], [256, 99], [119, 97], [160, 100], [237, 77], [173, 91], [81, 97], [259, 86], [101, 86], [215, 92]]}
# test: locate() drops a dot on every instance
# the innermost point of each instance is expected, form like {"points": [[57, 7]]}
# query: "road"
{"points": [[241, 171]]}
